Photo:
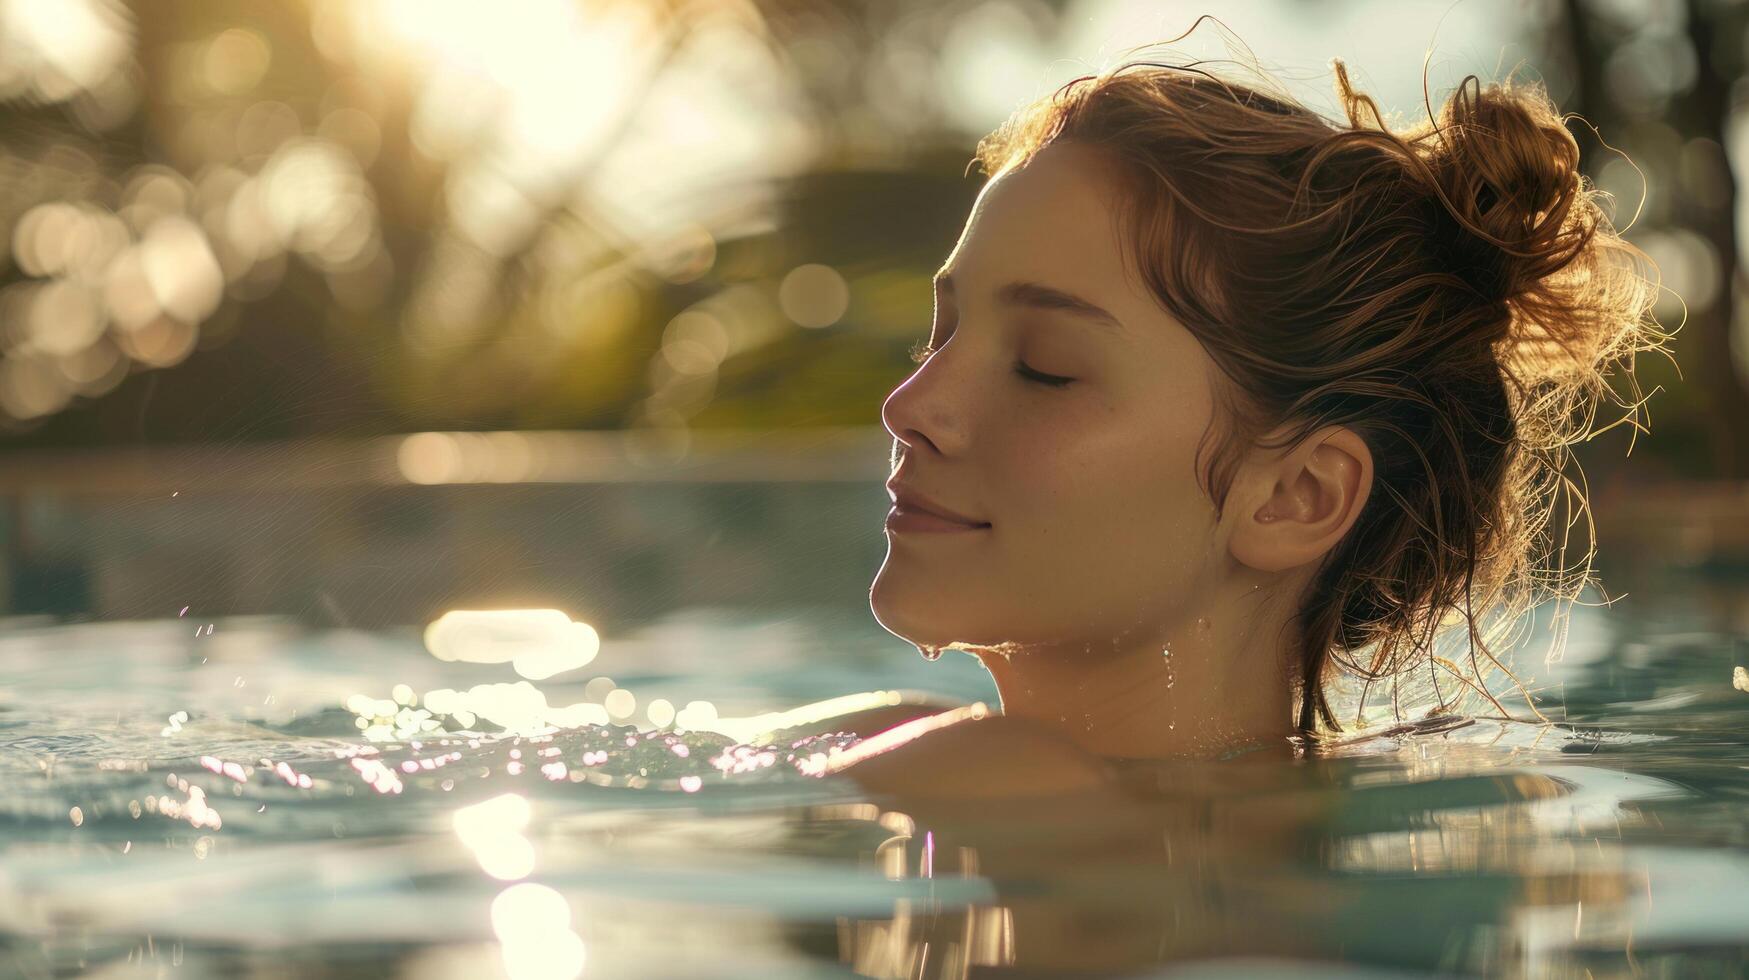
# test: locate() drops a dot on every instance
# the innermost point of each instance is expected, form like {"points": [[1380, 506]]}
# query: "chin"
{"points": [[907, 617], [918, 621], [889, 614]]}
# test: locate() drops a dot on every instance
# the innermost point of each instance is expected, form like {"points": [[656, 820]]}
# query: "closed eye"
{"points": [[921, 351]]}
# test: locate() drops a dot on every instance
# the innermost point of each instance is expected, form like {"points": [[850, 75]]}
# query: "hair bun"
{"points": [[1513, 217], [1508, 172]]}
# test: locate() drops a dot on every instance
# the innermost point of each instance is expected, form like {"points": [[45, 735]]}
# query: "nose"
{"points": [[896, 418], [920, 417]]}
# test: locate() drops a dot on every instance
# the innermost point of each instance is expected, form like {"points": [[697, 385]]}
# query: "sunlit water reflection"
{"points": [[255, 796]]}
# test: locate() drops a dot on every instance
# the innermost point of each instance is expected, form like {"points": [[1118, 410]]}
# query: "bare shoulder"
{"points": [[971, 752], [855, 715]]}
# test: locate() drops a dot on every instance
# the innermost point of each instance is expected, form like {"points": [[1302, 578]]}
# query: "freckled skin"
{"points": [[1104, 552]]}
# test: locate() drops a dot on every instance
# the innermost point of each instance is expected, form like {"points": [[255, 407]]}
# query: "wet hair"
{"points": [[1453, 292]]}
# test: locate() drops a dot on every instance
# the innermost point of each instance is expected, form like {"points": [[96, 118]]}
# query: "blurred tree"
{"points": [[1661, 82], [498, 288], [566, 324]]}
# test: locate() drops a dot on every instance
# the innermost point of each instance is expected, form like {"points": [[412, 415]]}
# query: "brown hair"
{"points": [[1452, 292]]}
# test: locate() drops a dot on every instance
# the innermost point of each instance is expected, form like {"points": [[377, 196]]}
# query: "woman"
{"points": [[1221, 399]]}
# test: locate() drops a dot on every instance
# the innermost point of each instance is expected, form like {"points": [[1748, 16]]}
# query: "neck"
{"points": [[1199, 689]]}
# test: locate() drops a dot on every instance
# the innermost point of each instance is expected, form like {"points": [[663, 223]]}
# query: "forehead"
{"points": [[1051, 218]]}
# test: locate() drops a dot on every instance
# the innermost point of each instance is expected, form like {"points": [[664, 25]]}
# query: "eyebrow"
{"points": [[1038, 296]]}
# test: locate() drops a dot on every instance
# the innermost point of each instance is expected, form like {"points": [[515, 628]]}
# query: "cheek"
{"points": [[1135, 503], [1120, 535], [1090, 460], [1115, 492]]}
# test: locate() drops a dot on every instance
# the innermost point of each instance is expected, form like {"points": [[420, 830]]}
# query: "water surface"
{"points": [[190, 797]]}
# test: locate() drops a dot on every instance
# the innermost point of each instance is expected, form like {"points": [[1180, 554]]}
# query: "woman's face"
{"points": [[1097, 524]]}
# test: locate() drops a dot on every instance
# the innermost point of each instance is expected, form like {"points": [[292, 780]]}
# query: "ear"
{"points": [[1310, 497]]}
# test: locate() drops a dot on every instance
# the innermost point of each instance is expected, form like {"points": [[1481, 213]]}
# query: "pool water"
{"points": [[248, 796]]}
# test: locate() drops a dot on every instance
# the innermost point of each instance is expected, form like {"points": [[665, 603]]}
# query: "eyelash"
{"points": [[921, 351]]}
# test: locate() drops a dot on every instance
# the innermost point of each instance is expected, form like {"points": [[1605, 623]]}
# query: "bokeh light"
{"points": [[533, 924], [492, 830], [538, 642]]}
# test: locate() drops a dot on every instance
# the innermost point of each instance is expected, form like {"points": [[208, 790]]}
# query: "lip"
{"points": [[904, 519], [915, 512]]}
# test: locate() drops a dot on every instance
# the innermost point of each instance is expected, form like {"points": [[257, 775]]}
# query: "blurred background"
{"points": [[357, 311], [366, 363]]}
